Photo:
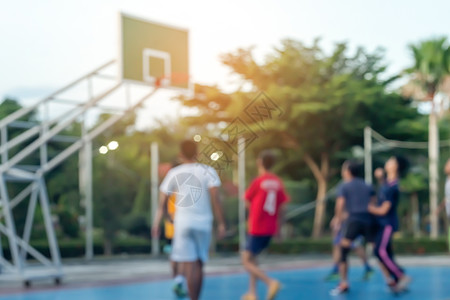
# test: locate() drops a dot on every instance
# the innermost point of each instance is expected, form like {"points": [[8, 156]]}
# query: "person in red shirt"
{"points": [[265, 199]]}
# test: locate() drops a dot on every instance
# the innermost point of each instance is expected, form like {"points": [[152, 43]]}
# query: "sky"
{"points": [[48, 43]]}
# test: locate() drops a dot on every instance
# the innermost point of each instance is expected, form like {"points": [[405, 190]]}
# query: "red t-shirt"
{"points": [[266, 194]]}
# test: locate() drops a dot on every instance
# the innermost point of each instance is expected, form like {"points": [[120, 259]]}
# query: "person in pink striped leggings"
{"points": [[386, 212]]}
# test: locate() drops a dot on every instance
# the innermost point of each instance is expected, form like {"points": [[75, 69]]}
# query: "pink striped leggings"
{"points": [[383, 250]]}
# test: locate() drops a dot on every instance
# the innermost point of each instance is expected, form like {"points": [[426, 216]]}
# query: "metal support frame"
{"points": [[368, 155], [54, 249], [10, 226], [4, 141], [85, 179], [154, 191], [35, 138]]}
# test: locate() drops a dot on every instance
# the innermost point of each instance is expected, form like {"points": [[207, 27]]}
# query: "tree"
{"points": [[430, 70], [121, 177], [115, 185], [327, 100], [10, 105]]}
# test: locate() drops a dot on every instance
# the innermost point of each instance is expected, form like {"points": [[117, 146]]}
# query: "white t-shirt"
{"points": [[447, 196], [191, 183]]}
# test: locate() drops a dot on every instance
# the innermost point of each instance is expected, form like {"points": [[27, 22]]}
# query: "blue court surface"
{"points": [[429, 283]]}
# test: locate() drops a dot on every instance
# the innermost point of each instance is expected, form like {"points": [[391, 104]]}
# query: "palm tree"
{"points": [[431, 69]]}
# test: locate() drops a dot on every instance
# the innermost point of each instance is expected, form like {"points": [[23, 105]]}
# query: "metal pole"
{"points": [[368, 168], [241, 190], [4, 141], [43, 131], [87, 150], [85, 179], [368, 155], [85, 183], [154, 191], [89, 201], [433, 157]]}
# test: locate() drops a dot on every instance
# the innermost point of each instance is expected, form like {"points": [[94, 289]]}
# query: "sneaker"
{"points": [[340, 289], [274, 287], [403, 283], [249, 297], [333, 276], [368, 274], [392, 286], [167, 249], [179, 290]]}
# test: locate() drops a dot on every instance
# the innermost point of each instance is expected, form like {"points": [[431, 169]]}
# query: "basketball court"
{"points": [[154, 57], [431, 283]]}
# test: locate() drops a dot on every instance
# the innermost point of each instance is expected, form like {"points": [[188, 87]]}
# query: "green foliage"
{"points": [[113, 195], [299, 191], [69, 223], [76, 247], [327, 100], [319, 92], [137, 224], [141, 202], [413, 183], [122, 176], [208, 106], [231, 211], [431, 63], [10, 105]]}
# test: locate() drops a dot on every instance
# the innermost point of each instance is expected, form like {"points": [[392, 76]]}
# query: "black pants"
{"points": [[351, 230], [383, 250], [355, 228]]}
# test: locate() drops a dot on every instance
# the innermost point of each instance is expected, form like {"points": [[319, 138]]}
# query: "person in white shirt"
{"points": [[196, 188], [446, 202]]}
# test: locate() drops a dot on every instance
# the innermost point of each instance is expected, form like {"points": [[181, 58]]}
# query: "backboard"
{"points": [[154, 53]]}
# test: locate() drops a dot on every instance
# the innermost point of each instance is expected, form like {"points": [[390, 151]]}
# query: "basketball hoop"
{"points": [[153, 53], [172, 79], [178, 78]]}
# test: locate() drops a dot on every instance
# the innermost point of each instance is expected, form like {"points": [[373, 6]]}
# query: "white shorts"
{"points": [[190, 244]]}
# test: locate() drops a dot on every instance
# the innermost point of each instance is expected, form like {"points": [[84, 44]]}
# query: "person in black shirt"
{"points": [[354, 196], [387, 220]]}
